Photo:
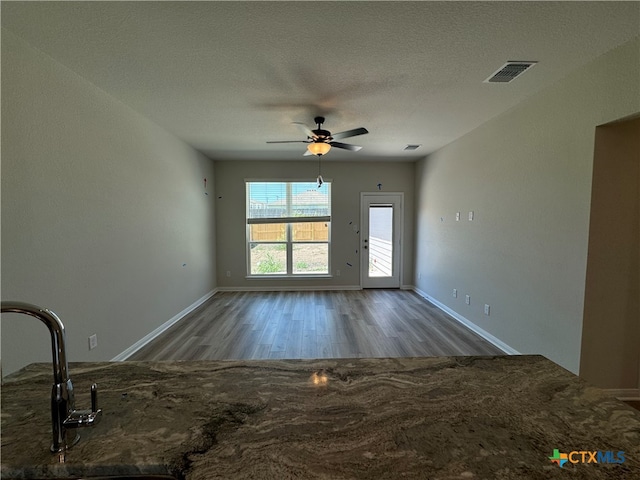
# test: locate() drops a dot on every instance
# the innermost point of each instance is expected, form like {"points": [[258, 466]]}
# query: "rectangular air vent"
{"points": [[509, 71], [412, 147]]}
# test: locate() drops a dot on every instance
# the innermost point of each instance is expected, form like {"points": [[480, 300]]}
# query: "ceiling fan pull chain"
{"points": [[319, 179]]}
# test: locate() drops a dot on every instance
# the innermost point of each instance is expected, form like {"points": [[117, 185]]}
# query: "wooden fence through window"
{"points": [[301, 232]]}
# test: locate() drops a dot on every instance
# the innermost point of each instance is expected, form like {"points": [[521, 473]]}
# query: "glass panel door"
{"points": [[380, 240], [381, 228]]}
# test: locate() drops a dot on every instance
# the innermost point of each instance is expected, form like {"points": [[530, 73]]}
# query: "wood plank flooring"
{"points": [[315, 324]]}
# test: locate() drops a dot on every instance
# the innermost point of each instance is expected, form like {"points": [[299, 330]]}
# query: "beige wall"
{"points": [[100, 211], [348, 180], [611, 329], [527, 176]]}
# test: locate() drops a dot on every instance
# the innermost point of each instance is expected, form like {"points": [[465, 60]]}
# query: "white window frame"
{"points": [[288, 221]]}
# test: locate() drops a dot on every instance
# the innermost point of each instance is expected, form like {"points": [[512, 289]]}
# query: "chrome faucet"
{"points": [[65, 419]]}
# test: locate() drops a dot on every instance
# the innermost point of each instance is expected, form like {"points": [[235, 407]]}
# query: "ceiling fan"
{"points": [[320, 141]]}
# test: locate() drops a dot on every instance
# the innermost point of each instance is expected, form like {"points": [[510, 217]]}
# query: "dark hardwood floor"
{"points": [[315, 324]]}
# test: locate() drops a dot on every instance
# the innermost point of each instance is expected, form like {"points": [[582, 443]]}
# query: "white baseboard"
{"points": [[298, 288], [289, 288], [469, 324], [625, 393], [162, 328]]}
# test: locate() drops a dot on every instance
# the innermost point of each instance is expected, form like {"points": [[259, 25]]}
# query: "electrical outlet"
{"points": [[457, 216], [487, 309], [470, 216], [337, 273], [455, 293], [467, 299], [419, 276], [93, 341], [228, 273]]}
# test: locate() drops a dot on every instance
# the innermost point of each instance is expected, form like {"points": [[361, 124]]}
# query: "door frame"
{"points": [[398, 234]]}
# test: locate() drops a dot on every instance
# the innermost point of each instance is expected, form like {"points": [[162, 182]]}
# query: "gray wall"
{"points": [[348, 180], [100, 211], [527, 176]]}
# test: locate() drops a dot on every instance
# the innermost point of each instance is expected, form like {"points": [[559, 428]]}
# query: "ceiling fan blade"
{"points": [[345, 146], [350, 133], [290, 141], [307, 131]]}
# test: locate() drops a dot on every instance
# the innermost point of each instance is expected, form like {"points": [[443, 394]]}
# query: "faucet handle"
{"points": [[85, 418], [96, 413], [94, 397]]}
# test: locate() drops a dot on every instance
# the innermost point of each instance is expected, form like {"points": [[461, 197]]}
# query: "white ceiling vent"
{"points": [[509, 71], [412, 147]]}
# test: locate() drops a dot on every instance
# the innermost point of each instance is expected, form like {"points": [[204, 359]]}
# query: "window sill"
{"points": [[288, 277]]}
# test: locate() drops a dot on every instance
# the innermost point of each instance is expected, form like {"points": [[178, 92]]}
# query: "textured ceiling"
{"points": [[229, 76]]}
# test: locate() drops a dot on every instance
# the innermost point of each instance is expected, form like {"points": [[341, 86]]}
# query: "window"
{"points": [[288, 228]]}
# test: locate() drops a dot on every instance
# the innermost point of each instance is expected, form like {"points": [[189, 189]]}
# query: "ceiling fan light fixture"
{"points": [[320, 141], [319, 148]]}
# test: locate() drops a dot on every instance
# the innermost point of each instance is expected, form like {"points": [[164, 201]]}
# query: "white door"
{"points": [[380, 239]]}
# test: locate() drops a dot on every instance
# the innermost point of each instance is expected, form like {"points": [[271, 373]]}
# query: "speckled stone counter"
{"points": [[433, 418]]}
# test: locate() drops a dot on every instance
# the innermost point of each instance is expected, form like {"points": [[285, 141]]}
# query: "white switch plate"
{"points": [[93, 341], [457, 216], [470, 216], [467, 299], [487, 309], [455, 293]]}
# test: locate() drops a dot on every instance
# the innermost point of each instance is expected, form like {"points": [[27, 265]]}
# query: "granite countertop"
{"points": [[436, 418]]}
